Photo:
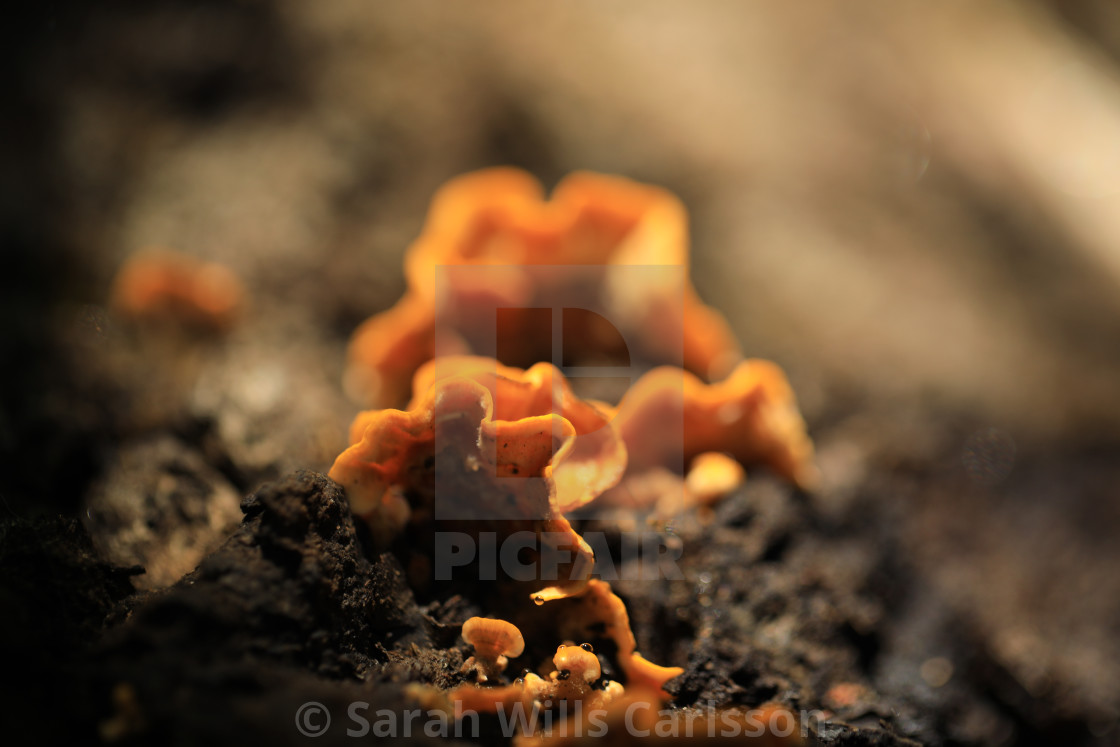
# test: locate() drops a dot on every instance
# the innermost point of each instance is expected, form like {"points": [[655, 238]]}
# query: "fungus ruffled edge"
{"points": [[750, 417], [499, 217], [493, 422]]}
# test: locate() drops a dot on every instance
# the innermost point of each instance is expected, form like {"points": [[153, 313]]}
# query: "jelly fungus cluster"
{"points": [[515, 449], [498, 219]]}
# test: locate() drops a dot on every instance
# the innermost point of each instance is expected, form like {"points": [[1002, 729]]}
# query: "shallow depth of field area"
{"points": [[912, 209]]}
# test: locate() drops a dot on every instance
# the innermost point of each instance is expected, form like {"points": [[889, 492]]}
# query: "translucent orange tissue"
{"points": [[686, 440], [498, 447], [498, 219]]}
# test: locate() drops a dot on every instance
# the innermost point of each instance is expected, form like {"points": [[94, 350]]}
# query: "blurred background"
{"points": [[913, 207], [900, 198]]}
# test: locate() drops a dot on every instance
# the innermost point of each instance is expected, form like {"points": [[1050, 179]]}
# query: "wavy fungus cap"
{"points": [[494, 641], [492, 638], [751, 415], [499, 219], [505, 445], [672, 421]]}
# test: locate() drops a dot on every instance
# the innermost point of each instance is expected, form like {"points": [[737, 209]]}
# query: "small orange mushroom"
{"points": [[534, 252], [161, 284], [751, 415], [575, 678], [494, 641], [579, 661]]}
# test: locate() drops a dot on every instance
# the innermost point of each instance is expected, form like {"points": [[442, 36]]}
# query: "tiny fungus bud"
{"points": [[493, 641]]}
